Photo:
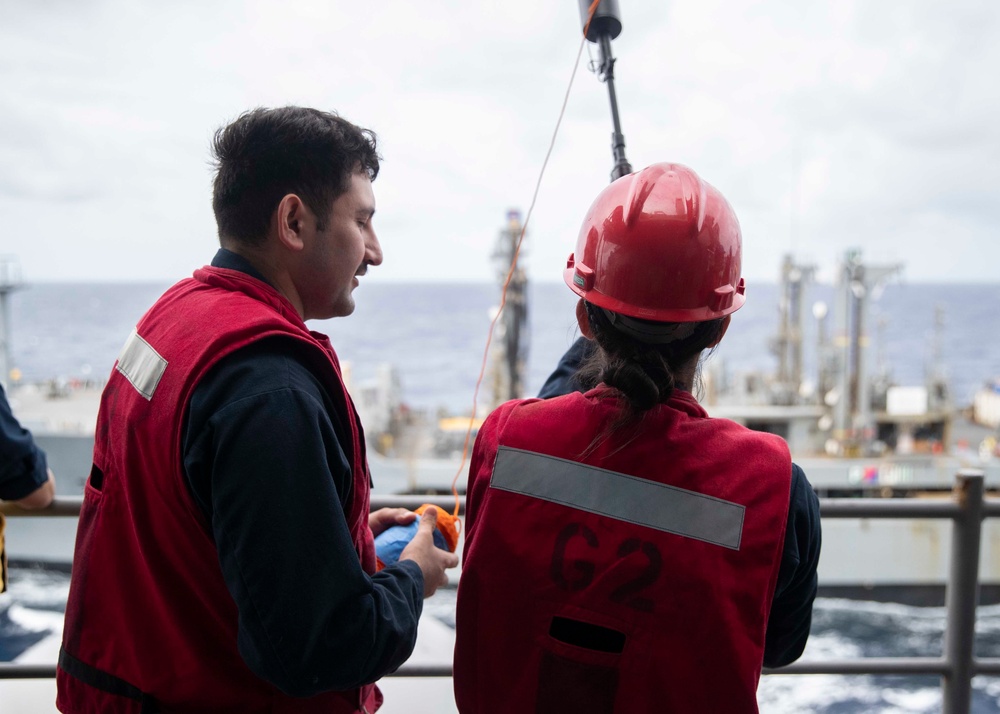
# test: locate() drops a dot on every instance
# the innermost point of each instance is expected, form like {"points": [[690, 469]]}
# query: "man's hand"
{"points": [[385, 518], [41, 496], [432, 560]]}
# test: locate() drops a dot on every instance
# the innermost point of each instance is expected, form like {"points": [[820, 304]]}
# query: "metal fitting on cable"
{"points": [[605, 26]]}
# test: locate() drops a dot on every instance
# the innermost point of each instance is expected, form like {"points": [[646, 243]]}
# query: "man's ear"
{"points": [[291, 217], [583, 321]]}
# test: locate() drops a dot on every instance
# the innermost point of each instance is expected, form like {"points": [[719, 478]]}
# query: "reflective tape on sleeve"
{"points": [[141, 364], [620, 496]]}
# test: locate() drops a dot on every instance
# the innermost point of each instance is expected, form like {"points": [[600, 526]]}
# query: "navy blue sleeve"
{"points": [[791, 611], [563, 379], [263, 458], [22, 464]]}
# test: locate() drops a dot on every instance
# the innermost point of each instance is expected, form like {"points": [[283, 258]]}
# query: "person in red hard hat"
{"points": [[624, 551]]}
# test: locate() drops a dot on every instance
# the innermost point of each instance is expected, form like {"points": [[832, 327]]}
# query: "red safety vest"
{"points": [[637, 577], [150, 624]]}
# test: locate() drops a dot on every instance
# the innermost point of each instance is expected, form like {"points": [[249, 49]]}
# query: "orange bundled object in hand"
{"points": [[390, 543], [447, 524]]}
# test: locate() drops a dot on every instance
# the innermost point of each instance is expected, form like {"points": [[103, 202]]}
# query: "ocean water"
{"points": [[841, 630], [435, 336], [435, 333]]}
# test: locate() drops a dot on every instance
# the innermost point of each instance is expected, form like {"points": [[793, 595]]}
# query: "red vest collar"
{"points": [[679, 400]]}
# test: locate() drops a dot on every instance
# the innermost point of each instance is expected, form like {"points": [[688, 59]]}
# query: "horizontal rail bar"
{"points": [[425, 670], [888, 508], [27, 671], [987, 665], [411, 501], [67, 506], [865, 665], [48, 671], [61, 507]]}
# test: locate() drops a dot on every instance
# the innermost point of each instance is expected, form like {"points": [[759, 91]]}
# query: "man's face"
{"points": [[335, 257]]}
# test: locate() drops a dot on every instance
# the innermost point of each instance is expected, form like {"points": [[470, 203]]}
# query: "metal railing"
{"points": [[956, 666]]}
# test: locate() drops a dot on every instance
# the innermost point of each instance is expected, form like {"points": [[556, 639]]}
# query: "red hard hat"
{"points": [[660, 244]]}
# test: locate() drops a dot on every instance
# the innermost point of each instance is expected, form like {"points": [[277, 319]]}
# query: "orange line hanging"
{"points": [[513, 262]]}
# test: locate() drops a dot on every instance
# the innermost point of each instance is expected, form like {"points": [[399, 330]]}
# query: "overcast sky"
{"points": [[827, 124]]}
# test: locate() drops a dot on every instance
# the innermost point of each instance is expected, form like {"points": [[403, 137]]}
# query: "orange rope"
{"points": [[590, 16], [513, 262]]}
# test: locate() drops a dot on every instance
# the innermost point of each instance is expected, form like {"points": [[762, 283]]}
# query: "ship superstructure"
{"points": [[855, 426]]}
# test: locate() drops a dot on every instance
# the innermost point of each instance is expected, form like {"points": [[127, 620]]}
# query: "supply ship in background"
{"points": [[853, 430]]}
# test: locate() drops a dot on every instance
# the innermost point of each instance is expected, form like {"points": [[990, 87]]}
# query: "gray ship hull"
{"points": [[897, 560]]}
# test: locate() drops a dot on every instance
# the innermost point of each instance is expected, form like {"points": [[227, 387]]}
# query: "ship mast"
{"points": [[10, 280], [510, 352], [787, 345], [853, 423]]}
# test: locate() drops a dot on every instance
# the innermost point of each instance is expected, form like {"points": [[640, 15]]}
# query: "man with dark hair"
{"points": [[225, 557]]}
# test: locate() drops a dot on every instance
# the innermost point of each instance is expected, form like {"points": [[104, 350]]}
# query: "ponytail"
{"points": [[644, 374]]}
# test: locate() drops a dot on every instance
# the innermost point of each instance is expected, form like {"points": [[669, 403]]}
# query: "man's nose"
{"points": [[373, 249]]}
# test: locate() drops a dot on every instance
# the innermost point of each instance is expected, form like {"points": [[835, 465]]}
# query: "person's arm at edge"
{"points": [[791, 610], [563, 378], [41, 496], [25, 478]]}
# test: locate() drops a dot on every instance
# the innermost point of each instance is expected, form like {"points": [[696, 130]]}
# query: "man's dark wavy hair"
{"points": [[268, 153]]}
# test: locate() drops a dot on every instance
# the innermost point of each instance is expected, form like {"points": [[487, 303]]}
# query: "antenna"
{"points": [[606, 25]]}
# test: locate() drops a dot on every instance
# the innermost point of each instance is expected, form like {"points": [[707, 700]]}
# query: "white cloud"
{"points": [[828, 125]]}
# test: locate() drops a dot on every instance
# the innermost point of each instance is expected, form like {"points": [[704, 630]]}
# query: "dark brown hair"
{"points": [[643, 374], [268, 153]]}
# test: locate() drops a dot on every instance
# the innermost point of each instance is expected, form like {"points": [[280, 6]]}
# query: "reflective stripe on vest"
{"points": [[141, 364], [620, 496]]}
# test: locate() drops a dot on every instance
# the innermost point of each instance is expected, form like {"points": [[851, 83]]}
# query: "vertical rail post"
{"points": [[963, 593]]}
